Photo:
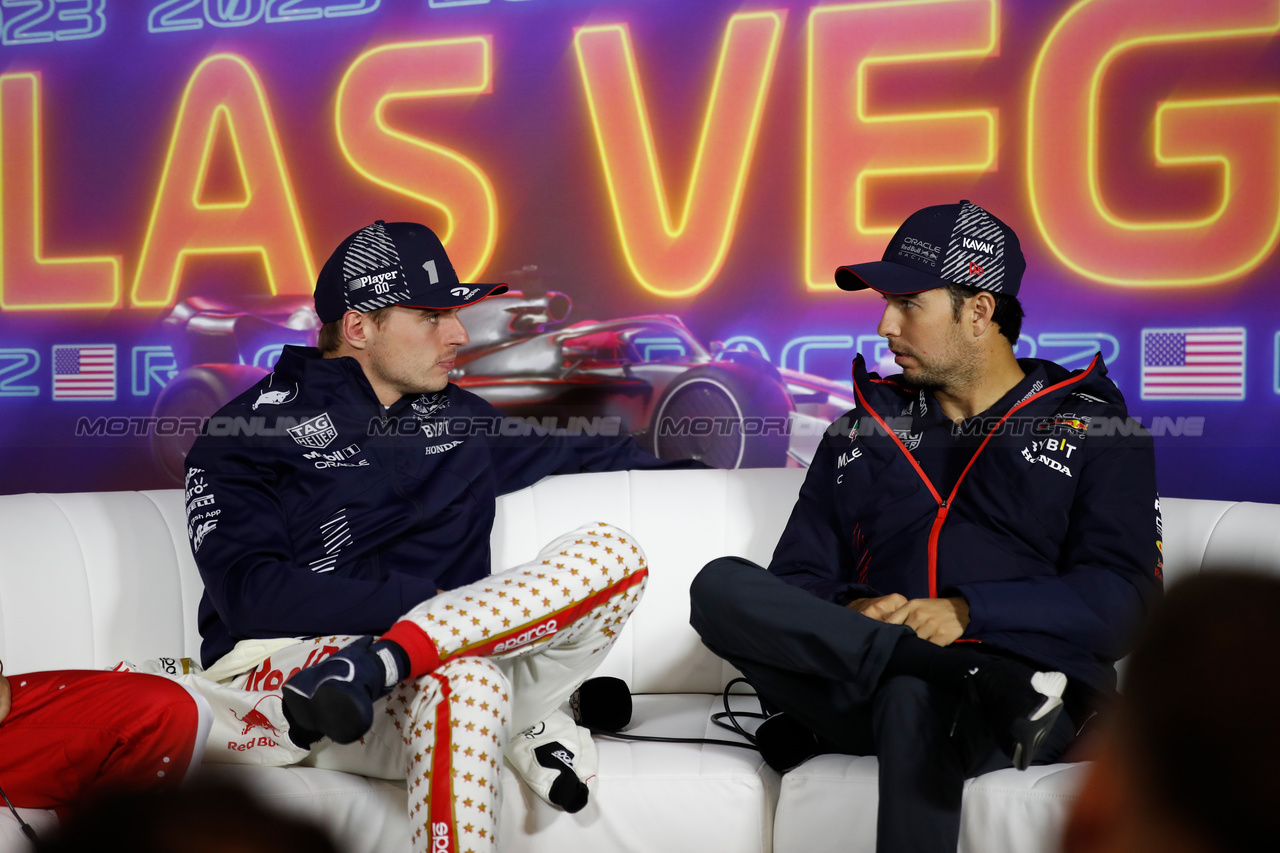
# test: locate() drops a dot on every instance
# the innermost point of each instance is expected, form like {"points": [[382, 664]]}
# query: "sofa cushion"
{"points": [[829, 804], [673, 797]]}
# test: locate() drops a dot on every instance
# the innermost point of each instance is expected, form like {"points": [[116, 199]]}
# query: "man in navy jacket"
{"points": [[355, 480], [971, 550], [350, 495]]}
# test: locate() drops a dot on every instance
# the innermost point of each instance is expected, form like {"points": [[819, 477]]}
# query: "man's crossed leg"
{"points": [[467, 668], [486, 667], [933, 715]]}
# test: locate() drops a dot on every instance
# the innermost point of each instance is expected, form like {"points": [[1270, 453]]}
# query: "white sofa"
{"points": [[88, 579]]}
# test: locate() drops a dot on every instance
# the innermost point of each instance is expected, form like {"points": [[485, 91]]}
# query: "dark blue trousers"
{"points": [[823, 664]]}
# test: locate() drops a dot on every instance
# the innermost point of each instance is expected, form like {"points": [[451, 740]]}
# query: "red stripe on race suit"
{"points": [[935, 531], [441, 821], [548, 626], [424, 657]]}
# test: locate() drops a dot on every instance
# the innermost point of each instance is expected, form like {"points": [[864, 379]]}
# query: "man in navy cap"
{"points": [[354, 500], [971, 550]]}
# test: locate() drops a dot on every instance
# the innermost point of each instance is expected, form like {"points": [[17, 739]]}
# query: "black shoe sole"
{"points": [[1029, 734], [330, 711]]}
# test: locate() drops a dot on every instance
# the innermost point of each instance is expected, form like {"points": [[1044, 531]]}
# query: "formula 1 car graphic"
{"points": [[646, 376]]}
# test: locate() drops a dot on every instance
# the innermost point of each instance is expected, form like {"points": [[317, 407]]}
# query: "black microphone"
{"points": [[602, 704], [785, 743]]}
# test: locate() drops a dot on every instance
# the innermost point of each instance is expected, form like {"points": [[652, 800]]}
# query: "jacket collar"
{"points": [[925, 412], [336, 376]]}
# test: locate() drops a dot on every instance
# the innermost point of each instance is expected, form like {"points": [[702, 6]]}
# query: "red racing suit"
{"points": [[72, 734]]}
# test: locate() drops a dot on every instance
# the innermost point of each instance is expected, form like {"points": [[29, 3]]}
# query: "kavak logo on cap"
{"points": [[948, 243]]}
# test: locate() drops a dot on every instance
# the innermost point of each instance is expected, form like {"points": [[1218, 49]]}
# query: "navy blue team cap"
{"points": [[392, 263], [960, 243]]}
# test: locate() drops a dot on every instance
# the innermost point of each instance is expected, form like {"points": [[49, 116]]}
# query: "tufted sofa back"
{"points": [[87, 579]]}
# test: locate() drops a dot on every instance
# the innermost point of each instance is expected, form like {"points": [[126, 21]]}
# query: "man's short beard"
{"points": [[930, 379], [406, 383], [926, 380], [416, 385], [961, 372]]}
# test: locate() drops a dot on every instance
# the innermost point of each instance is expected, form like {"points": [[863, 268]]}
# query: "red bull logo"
{"points": [[268, 677], [251, 743], [1078, 424], [255, 719]]}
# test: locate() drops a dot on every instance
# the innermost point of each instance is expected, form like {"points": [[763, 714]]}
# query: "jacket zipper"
{"points": [[944, 504]]}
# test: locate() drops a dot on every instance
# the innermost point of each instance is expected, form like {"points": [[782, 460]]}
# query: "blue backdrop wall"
{"points": [[710, 160]]}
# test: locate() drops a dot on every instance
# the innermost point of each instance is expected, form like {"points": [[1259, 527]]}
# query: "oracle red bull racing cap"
{"points": [[960, 243], [392, 263]]}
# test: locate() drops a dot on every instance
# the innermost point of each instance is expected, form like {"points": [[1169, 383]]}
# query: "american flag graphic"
{"points": [[84, 372], [1193, 364]]}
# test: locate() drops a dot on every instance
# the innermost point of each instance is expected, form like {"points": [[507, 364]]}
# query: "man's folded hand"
{"points": [[941, 621], [878, 608]]}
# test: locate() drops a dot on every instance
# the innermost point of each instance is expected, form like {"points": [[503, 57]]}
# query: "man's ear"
{"points": [[980, 311], [355, 327]]}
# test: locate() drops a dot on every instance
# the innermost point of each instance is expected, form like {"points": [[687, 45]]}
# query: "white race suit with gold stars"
{"points": [[488, 659]]}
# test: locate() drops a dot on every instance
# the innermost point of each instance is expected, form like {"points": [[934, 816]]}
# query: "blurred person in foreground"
{"points": [[1186, 761], [203, 817]]}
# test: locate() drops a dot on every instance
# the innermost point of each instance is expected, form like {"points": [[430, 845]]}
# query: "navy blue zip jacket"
{"points": [[1042, 513], [312, 510]]}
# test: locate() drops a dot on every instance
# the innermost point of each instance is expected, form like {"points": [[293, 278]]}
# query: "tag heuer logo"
{"points": [[910, 440], [316, 433]]}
